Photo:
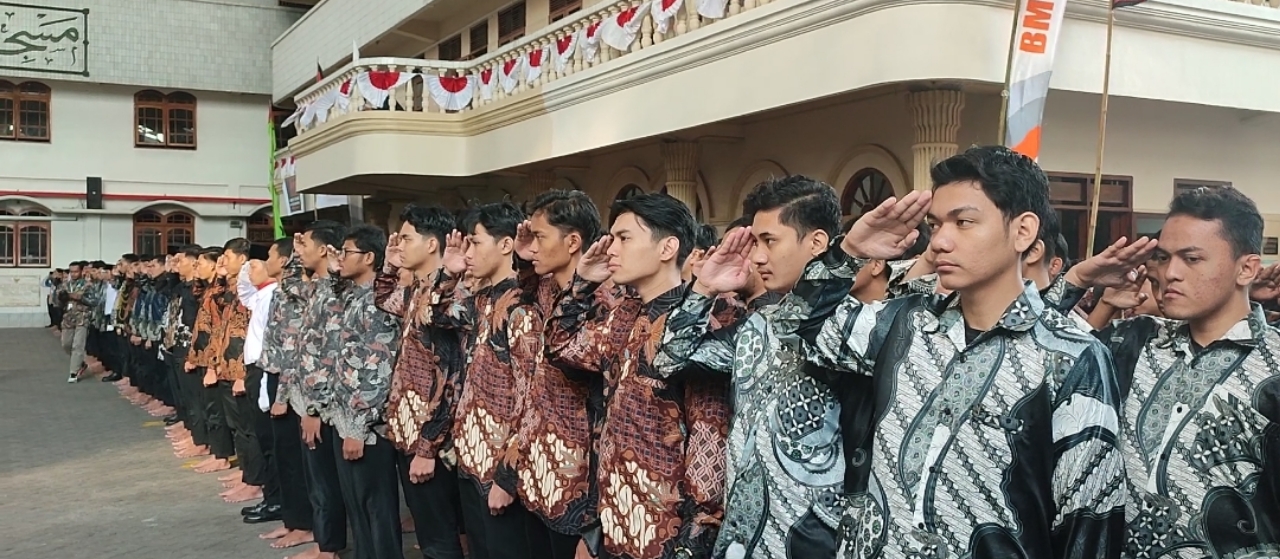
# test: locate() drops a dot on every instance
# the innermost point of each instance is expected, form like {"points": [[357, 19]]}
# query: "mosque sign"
{"points": [[44, 39]]}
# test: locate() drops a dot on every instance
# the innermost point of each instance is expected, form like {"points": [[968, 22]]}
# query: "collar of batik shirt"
{"points": [[1249, 332], [1020, 316]]}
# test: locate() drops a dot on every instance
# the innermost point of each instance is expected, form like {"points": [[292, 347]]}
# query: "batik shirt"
{"points": [[786, 464], [362, 379], [233, 326], [1000, 444], [97, 293], [147, 319], [555, 436], [204, 350], [502, 333], [280, 343], [76, 314], [319, 343], [1201, 438], [900, 286], [183, 308], [661, 446], [424, 385], [128, 292]]}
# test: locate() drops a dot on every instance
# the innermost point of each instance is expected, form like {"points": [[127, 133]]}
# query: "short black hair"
{"points": [[211, 254], [1013, 182], [705, 236], [923, 238], [238, 246], [76, 264], [1050, 230], [744, 221], [284, 246], [569, 210], [430, 221], [153, 258], [129, 258], [807, 204], [259, 252], [191, 251], [1060, 249], [500, 219], [1236, 214], [326, 232], [664, 215], [371, 239]]}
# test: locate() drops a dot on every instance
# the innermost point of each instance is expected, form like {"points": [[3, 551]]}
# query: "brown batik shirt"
{"points": [[234, 326], [503, 333], [661, 465], [207, 331], [424, 384]]}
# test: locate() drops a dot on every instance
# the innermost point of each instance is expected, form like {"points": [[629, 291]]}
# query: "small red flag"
{"points": [[319, 72]]}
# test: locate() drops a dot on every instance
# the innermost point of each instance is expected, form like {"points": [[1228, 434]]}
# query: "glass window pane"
{"points": [[150, 125], [6, 118], [177, 238], [6, 245], [33, 118], [147, 241], [182, 127], [33, 246]]}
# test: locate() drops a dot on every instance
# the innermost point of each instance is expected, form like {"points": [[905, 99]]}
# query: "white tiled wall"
{"points": [[221, 45]]}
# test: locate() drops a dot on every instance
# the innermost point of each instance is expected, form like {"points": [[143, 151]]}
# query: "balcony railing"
{"points": [[587, 39]]}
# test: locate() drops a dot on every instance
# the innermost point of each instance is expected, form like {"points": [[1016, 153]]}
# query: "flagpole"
{"points": [[1008, 74], [1102, 131]]}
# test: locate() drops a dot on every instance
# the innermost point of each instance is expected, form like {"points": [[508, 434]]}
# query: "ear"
{"points": [[817, 243], [433, 245], [507, 245], [1025, 229], [573, 241], [669, 249], [1036, 254], [1250, 267], [877, 267]]}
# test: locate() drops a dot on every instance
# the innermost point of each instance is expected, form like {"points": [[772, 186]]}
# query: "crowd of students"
{"points": [[931, 380]]}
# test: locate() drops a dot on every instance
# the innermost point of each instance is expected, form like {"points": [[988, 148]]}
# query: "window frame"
{"points": [[166, 224], [167, 104], [454, 46], [15, 94], [508, 14], [475, 51], [560, 9], [40, 219]]}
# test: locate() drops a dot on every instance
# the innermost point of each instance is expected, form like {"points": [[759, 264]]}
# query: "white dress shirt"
{"points": [[258, 301]]}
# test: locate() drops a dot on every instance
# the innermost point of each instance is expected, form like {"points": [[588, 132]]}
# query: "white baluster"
{"points": [[734, 7], [691, 14], [748, 4]]}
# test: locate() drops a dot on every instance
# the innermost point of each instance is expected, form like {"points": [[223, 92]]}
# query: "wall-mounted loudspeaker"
{"points": [[93, 193]]}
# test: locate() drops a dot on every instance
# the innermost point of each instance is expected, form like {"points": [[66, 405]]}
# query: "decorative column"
{"points": [[537, 182], [680, 161], [936, 116]]}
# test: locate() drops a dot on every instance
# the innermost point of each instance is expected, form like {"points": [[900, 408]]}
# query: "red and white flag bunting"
{"points": [[486, 79], [591, 42], [620, 30], [293, 117], [375, 86], [537, 60], [564, 50], [318, 110], [714, 9], [663, 11], [509, 74], [451, 93]]}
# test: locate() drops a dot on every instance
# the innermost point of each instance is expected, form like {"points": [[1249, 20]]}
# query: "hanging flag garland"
{"points": [[376, 85], [713, 9], [620, 31], [591, 42], [485, 78], [663, 11], [509, 74], [452, 93], [536, 60], [318, 110], [297, 113], [564, 50]]}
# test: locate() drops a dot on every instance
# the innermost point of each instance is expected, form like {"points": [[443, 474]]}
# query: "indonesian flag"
{"points": [[318, 110], [620, 31], [376, 85], [591, 42], [564, 50], [537, 59], [292, 118], [451, 93], [1125, 3], [485, 79], [663, 11], [509, 74], [712, 9]]}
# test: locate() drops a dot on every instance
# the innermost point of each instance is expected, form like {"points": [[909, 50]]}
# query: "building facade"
{"points": [[457, 100], [129, 126]]}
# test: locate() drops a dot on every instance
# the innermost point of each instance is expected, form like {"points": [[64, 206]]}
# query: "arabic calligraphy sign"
{"points": [[41, 39]]}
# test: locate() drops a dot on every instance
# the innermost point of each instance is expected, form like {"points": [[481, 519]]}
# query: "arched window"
{"points": [[628, 192], [867, 189], [24, 111], [261, 231], [167, 121], [24, 236], [157, 233]]}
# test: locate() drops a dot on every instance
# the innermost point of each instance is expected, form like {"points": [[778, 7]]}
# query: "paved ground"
{"points": [[84, 474]]}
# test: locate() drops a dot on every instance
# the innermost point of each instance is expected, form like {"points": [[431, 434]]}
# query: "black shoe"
{"points": [[112, 377], [268, 514], [172, 420], [255, 509]]}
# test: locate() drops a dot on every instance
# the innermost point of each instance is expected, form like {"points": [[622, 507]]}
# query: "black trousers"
{"points": [[54, 319], [240, 425], [221, 443], [193, 400], [561, 546], [436, 509], [372, 497], [505, 536], [175, 380], [295, 503], [165, 390], [92, 345], [260, 423], [329, 512]]}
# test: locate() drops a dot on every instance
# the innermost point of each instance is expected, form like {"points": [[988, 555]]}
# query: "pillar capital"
{"points": [[935, 115], [540, 181], [680, 164]]}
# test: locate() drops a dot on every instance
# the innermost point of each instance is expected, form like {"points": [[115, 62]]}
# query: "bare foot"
{"points": [[194, 452], [235, 487], [275, 534], [219, 465], [247, 493], [233, 476], [313, 553], [406, 525], [295, 538]]}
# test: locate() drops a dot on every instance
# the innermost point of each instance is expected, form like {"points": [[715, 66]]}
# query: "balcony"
{"points": [[624, 71]]}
